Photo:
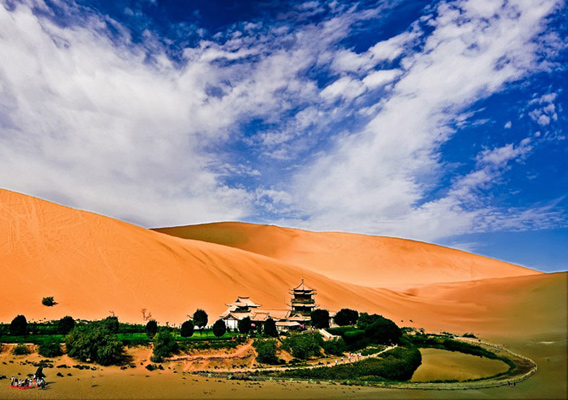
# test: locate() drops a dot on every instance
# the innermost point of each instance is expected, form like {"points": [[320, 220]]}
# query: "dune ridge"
{"points": [[374, 261]]}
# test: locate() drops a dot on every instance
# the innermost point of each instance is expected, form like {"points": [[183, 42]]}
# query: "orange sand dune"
{"points": [[358, 259], [94, 265]]}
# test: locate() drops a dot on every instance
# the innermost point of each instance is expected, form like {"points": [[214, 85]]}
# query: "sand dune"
{"points": [[359, 259], [93, 265]]}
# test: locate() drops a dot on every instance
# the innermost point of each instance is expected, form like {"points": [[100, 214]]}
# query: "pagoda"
{"points": [[302, 303]]}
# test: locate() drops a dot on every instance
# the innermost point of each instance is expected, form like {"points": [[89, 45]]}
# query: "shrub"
{"points": [[186, 329], [266, 350], [65, 325], [19, 326], [303, 346], [346, 316], [20, 350], [164, 345], [200, 318], [151, 328], [94, 342], [111, 324], [48, 301], [320, 318], [244, 325], [270, 328], [398, 364], [379, 329], [50, 347], [219, 328], [334, 347]]}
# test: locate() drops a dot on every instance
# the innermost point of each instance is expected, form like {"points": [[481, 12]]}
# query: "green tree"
{"points": [[50, 347], [303, 346], [219, 328], [164, 345], [111, 324], [379, 329], [65, 325], [266, 351], [200, 318], [334, 347], [94, 342], [320, 318], [244, 325], [19, 326], [270, 328], [186, 329], [151, 328], [346, 316]]}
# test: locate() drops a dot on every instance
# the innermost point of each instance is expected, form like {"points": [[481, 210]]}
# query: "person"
{"points": [[12, 381], [40, 383]]}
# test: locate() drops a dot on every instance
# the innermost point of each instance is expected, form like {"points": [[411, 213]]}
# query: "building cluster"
{"points": [[301, 305]]}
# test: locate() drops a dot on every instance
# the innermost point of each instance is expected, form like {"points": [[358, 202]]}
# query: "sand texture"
{"points": [[359, 259]]}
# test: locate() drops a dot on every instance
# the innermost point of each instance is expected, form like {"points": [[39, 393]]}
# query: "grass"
{"points": [[134, 338]]}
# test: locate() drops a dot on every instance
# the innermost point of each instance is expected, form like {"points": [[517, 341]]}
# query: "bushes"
{"points": [[164, 345], [303, 346], [19, 326], [219, 328], [65, 325], [48, 301], [398, 364], [266, 350], [334, 347], [186, 329], [379, 329], [451, 345], [20, 350], [94, 342], [111, 324], [151, 328], [346, 316], [320, 318], [50, 348]]}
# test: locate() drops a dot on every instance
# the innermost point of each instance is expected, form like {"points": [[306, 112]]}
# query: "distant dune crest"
{"points": [[358, 259]]}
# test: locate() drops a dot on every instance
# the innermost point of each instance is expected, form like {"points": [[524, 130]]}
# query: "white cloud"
{"points": [[98, 124], [376, 180], [380, 78], [344, 87]]}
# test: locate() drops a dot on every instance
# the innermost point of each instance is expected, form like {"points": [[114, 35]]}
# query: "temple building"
{"points": [[302, 303], [301, 306], [298, 315], [240, 309]]}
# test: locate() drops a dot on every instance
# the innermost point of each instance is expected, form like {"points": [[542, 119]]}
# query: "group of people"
{"points": [[27, 383]]}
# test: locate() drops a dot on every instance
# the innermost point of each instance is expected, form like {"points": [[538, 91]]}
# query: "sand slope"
{"points": [[359, 259], [95, 265]]}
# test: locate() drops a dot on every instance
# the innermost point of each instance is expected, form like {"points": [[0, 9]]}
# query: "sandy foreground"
{"points": [[95, 265]]}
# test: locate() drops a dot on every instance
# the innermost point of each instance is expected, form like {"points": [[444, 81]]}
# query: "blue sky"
{"points": [[438, 121]]}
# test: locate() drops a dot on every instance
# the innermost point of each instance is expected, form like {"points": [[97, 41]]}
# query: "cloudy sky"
{"points": [[441, 121]]}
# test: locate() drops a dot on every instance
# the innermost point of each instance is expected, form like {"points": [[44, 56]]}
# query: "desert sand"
{"points": [[359, 259], [95, 266]]}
